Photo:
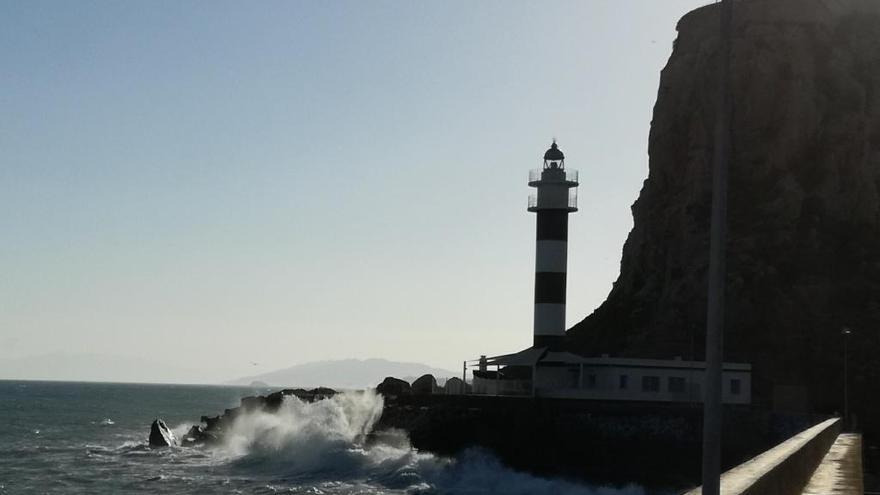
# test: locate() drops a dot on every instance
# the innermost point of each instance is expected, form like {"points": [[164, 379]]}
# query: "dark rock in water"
{"points": [[161, 435], [424, 385], [391, 386], [197, 434]]}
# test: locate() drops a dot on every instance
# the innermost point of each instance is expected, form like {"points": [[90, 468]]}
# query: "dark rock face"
{"points": [[424, 385], [804, 206], [161, 435], [391, 386]]}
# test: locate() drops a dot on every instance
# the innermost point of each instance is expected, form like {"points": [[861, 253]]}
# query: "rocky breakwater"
{"points": [[590, 440], [212, 428], [804, 207]]}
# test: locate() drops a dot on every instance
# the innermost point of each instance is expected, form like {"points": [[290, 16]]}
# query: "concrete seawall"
{"points": [[783, 470], [596, 441]]}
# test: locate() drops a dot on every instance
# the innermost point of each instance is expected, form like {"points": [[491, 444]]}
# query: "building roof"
{"points": [[537, 355], [659, 363], [527, 357], [564, 357]]}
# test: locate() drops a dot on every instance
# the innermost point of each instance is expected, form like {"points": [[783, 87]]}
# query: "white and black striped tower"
{"points": [[555, 199]]}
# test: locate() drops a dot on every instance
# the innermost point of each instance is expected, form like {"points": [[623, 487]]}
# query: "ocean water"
{"points": [[66, 437]]}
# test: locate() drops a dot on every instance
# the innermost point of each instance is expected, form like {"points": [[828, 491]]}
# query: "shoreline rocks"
{"points": [[212, 428], [542, 436], [424, 385], [391, 386]]}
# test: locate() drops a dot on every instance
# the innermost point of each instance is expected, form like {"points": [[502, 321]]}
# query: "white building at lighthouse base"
{"points": [[540, 372]]}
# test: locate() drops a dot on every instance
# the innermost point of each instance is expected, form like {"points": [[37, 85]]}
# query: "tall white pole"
{"points": [[845, 381], [846, 333], [717, 265]]}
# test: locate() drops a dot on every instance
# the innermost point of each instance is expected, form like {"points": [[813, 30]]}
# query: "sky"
{"points": [[210, 184]]}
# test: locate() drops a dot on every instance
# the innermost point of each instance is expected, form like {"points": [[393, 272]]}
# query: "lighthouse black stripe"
{"points": [[554, 342], [549, 288], [552, 225]]}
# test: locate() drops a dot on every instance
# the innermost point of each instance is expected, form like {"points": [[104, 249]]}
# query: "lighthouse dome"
{"points": [[554, 153]]}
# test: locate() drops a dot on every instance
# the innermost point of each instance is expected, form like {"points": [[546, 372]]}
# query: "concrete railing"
{"points": [[783, 470]]}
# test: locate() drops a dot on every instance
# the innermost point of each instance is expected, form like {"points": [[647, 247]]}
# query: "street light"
{"points": [[846, 333], [712, 390]]}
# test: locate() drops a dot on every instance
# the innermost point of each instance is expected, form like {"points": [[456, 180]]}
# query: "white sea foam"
{"points": [[180, 430], [322, 444]]}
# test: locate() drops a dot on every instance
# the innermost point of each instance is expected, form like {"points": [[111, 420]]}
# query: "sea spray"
{"points": [[322, 445], [341, 420]]}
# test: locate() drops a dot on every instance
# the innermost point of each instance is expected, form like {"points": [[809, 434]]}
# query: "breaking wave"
{"points": [[323, 446]]}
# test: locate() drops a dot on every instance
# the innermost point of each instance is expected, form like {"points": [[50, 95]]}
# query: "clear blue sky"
{"points": [[284, 182]]}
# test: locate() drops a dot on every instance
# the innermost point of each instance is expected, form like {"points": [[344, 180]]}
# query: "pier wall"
{"points": [[784, 469], [599, 441]]}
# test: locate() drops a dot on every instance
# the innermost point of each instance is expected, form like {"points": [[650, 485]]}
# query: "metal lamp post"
{"points": [[712, 395], [846, 332]]}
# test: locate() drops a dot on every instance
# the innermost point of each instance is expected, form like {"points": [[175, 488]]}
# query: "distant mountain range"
{"points": [[95, 367], [345, 373]]}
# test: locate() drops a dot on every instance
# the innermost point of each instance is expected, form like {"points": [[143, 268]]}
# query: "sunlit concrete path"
{"points": [[841, 469]]}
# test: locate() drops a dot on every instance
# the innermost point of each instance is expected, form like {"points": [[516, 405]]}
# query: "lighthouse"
{"points": [[547, 368], [555, 198]]}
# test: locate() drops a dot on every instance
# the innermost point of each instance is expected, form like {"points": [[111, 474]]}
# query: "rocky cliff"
{"points": [[804, 205]]}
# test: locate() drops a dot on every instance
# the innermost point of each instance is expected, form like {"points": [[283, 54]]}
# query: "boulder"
{"points": [[161, 435], [195, 435], [394, 386], [425, 385], [454, 386]]}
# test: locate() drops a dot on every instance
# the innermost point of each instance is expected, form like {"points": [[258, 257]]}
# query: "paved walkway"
{"points": [[841, 470]]}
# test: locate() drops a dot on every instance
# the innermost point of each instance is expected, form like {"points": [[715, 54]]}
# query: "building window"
{"points": [[676, 384], [591, 381], [624, 382], [734, 386], [650, 383], [573, 377]]}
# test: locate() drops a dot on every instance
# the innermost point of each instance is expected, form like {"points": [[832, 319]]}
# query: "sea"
{"points": [[74, 437]]}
